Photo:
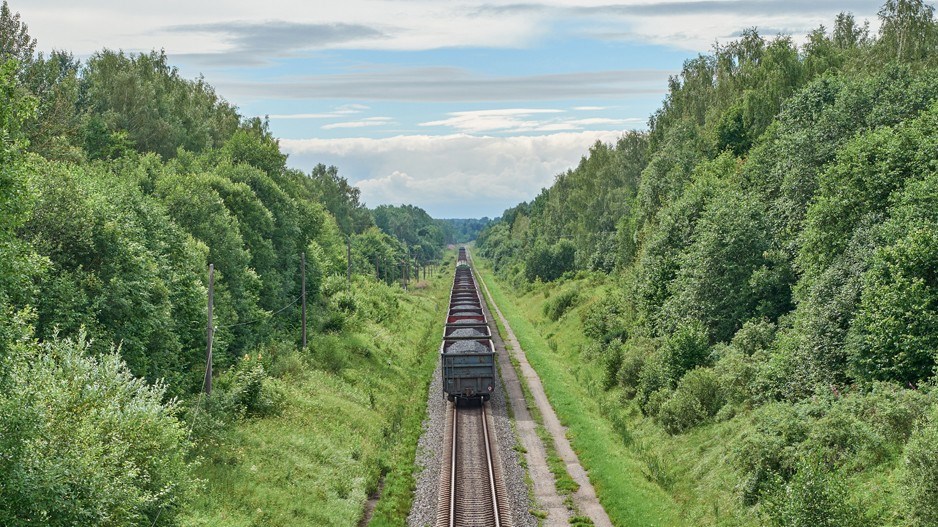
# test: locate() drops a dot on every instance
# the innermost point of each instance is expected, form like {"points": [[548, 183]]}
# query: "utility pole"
{"points": [[348, 254], [303, 268], [377, 268], [209, 331]]}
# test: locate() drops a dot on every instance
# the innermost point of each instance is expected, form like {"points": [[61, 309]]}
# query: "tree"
{"points": [[907, 31], [15, 42]]}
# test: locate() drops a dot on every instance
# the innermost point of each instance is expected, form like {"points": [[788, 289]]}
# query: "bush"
{"points": [[604, 321], [736, 373], [895, 334], [686, 349], [841, 439], [919, 481], [698, 398], [655, 376], [247, 389], [559, 304], [815, 497], [634, 354], [611, 360], [768, 451], [82, 442]]}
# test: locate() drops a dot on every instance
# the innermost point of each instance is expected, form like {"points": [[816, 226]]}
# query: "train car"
{"points": [[462, 261], [467, 352]]}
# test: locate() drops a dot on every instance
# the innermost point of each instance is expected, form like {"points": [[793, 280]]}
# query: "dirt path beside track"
{"points": [[544, 489]]}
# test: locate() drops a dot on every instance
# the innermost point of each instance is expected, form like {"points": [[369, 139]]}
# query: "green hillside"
{"points": [[752, 285]]}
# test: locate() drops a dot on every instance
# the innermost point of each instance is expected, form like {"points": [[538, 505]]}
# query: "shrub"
{"points": [[82, 442], [755, 335], [841, 439], [698, 398], [919, 481], [634, 354], [891, 410], [815, 497], [655, 376], [611, 362], [603, 320], [686, 349], [768, 450], [248, 390], [344, 302], [549, 263], [895, 334], [560, 303], [735, 372]]}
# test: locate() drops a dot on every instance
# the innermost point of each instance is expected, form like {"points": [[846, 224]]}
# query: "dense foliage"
{"points": [[774, 241], [120, 182]]}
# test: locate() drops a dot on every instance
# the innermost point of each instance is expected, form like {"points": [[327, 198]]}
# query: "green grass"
{"points": [[616, 470], [338, 435]]}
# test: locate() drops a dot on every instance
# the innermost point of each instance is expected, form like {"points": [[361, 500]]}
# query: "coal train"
{"points": [[467, 352]]}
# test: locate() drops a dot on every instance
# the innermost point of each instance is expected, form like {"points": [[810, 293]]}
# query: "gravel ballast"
{"points": [[430, 453]]}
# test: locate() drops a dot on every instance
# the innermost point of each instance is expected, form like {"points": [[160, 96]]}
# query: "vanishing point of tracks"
{"points": [[472, 492]]}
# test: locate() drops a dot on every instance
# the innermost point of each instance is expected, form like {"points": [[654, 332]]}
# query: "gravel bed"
{"points": [[515, 486], [466, 346], [429, 457]]}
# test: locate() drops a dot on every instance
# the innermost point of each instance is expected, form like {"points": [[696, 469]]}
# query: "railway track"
{"points": [[472, 490]]}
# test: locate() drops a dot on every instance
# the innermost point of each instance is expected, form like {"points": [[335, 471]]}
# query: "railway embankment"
{"points": [[623, 488]]}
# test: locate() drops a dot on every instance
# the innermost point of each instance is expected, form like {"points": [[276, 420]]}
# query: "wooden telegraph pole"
{"points": [[348, 269], [210, 331], [303, 273]]}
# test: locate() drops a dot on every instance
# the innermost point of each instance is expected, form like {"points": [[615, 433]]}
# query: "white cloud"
{"points": [[479, 121], [456, 175], [302, 116], [522, 120], [589, 108], [364, 123], [593, 121]]}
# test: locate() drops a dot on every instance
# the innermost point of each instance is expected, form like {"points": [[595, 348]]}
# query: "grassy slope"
{"points": [[693, 475], [316, 462], [615, 469]]}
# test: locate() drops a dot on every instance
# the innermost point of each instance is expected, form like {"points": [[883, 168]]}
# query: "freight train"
{"points": [[467, 352]]}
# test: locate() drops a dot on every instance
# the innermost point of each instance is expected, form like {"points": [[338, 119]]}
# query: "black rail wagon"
{"points": [[468, 368], [467, 353]]}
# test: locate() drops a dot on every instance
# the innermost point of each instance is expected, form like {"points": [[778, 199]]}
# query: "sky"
{"points": [[461, 108]]}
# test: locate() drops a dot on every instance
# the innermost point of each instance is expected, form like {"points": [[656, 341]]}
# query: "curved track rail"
{"points": [[472, 492]]}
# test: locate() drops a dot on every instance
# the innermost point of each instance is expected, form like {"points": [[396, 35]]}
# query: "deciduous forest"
{"points": [[120, 182], [757, 275]]}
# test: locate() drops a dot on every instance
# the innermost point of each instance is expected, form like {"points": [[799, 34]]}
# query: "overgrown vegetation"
{"points": [[120, 182], [770, 245]]}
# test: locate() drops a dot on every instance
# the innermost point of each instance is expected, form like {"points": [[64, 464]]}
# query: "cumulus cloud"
{"points": [[478, 121], [518, 120], [455, 175]]}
